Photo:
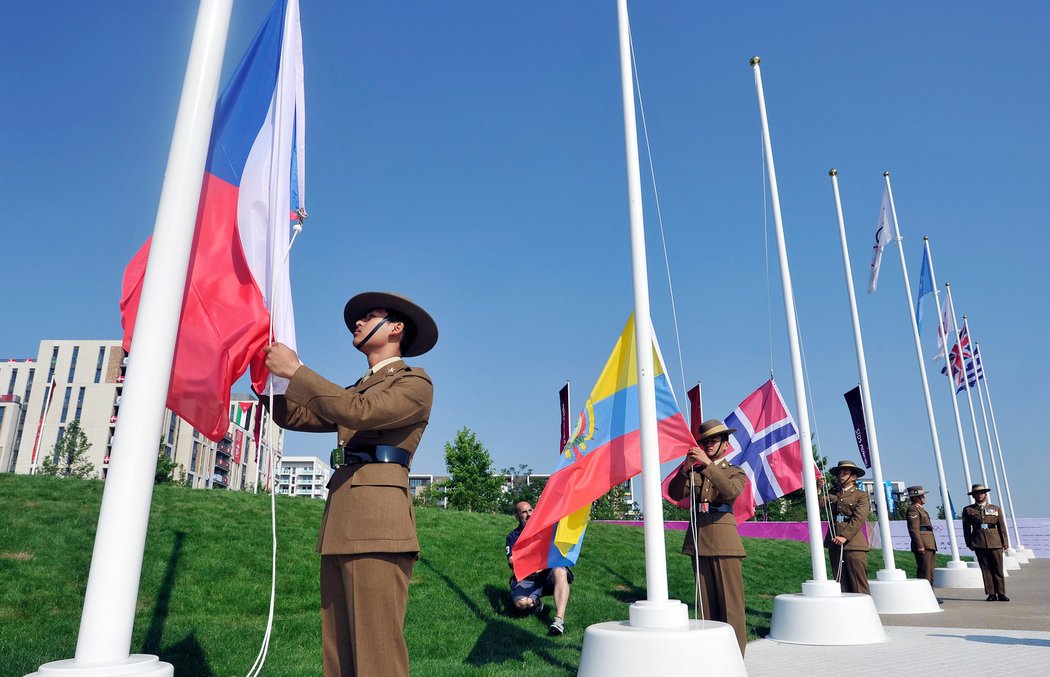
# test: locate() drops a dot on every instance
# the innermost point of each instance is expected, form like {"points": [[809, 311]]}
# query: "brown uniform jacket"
{"points": [[718, 483], [369, 507], [849, 509], [920, 528], [978, 536]]}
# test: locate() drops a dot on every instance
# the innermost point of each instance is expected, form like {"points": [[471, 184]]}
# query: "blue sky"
{"points": [[470, 155]]}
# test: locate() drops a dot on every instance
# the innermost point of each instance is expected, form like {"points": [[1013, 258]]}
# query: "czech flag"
{"points": [[603, 451], [238, 278]]}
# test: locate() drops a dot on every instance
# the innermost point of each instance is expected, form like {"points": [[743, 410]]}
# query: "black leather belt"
{"points": [[380, 453], [925, 528]]}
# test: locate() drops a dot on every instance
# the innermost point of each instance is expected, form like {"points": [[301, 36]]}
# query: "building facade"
{"points": [[303, 476], [83, 381]]}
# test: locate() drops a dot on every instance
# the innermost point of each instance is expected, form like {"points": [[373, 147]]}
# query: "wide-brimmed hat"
{"points": [[713, 427], [424, 331], [916, 491], [978, 488], [848, 465]]}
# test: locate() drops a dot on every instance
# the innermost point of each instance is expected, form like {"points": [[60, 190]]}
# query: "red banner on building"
{"points": [[696, 414], [238, 443]]}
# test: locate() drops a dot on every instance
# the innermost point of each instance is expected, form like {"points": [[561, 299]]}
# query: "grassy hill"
{"points": [[205, 586]]}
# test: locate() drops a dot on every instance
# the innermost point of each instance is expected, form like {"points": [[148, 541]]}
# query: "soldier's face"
{"points": [[980, 496], [845, 477]]}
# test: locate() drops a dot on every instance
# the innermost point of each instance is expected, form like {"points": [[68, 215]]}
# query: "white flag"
{"points": [[883, 234], [946, 327]]}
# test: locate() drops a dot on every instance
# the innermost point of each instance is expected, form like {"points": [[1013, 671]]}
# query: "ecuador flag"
{"points": [[603, 451]]}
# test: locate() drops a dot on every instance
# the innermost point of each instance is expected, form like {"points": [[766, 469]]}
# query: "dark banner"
{"points": [[696, 416], [860, 432], [563, 396]]}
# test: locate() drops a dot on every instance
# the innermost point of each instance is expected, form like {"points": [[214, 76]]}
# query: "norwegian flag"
{"points": [[765, 446]]}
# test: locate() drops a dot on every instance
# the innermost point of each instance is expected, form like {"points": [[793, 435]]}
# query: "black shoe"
{"points": [[541, 607], [940, 601], [556, 628], [1003, 598], [991, 598]]}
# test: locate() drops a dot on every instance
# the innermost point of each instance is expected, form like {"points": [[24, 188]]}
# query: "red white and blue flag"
{"points": [[765, 446], [959, 354], [253, 187]]}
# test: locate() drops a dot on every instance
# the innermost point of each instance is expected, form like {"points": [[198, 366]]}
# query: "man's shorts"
{"points": [[537, 585]]}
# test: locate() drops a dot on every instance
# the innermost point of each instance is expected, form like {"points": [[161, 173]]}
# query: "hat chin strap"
{"points": [[383, 321]]}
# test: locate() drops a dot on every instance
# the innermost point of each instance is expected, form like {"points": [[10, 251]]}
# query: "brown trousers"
{"points": [[363, 602], [925, 562], [991, 561], [854, 569], [721, 585]]}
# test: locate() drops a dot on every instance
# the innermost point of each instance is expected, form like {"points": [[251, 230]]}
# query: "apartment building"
{"points": [[303, 476], [896, 494], [83, 380]]}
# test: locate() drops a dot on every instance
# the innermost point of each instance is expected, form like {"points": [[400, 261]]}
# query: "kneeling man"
{"points": [[526, 593]]}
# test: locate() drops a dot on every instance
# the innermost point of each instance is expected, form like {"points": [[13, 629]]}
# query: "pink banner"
{"points": [[238, 443]]}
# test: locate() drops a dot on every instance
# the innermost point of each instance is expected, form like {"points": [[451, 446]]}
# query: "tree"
{"points": [[68, 456], [472, 484], [613, 505], [522, 487], [166, 467]]}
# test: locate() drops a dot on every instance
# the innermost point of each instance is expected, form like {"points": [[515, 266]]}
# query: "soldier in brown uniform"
{"points": [[985, 533], [368, 540], [720, 552], [845, 540], [920, 528]]}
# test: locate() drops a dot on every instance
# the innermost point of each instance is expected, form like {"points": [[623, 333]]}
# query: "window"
{"points": [[80, 404], [65, 403], [54, 360], [11, 383], [171, 428], [73, 364], [58, 440], [98, 365]]}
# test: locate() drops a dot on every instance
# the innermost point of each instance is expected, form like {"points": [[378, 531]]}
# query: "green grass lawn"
{"points": [[205, 584]]}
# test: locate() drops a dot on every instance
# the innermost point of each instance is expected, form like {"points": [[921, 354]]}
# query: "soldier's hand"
{"points": [[922, 549], [838, 540], [695, 456], [281, 360]]}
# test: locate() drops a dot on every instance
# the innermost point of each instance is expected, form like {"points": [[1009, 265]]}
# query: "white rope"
{"points": [[698, 595], [260, 659], [659, 215]]}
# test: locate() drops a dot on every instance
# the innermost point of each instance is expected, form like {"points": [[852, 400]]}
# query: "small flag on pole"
{"points": [[883, 235], [925, 286], [946, 327]]}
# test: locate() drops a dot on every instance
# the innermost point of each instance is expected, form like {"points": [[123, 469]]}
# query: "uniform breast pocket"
{"points": [[379, 512]]}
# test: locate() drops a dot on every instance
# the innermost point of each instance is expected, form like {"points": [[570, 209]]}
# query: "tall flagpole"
{"points": [[104, 642], [655, 556], [1002, 460], [816, 550], [966, 385], [845, 619], [950, 370], [862, 367], [925, 385], [892, 591]]}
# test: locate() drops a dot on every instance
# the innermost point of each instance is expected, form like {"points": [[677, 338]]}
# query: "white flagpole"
{"points": [[816, 550], [1002, 460], [966, 385], [949, 522], [104, 642], [869, 414], [655, 555], [951, 369]]}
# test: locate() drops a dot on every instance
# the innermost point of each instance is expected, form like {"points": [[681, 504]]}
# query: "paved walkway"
{"points": [[971, 636]]}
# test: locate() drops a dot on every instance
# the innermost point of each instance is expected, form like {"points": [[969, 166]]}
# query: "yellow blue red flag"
{"points": [[603, 451]]}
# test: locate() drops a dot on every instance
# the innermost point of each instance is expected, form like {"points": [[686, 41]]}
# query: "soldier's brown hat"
{"points": [[848, 465], [420, 337], [978, 488], [916, 491], [713, 427]]}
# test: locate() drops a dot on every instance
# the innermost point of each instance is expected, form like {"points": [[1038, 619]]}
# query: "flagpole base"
{"points": [[620, 648], [1019, 555], [658, 615], [958, 575], [1010, 563], [135, 665], [825, 616], [1028, 552], [894, 593]]}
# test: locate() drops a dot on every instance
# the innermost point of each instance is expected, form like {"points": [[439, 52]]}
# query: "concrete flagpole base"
{"points": [[621, 648], [973, 565], [1028, 552], [895, 593], [1019, 555], [1010, 563], [822, 615], [958, 575], [135, 665]]}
